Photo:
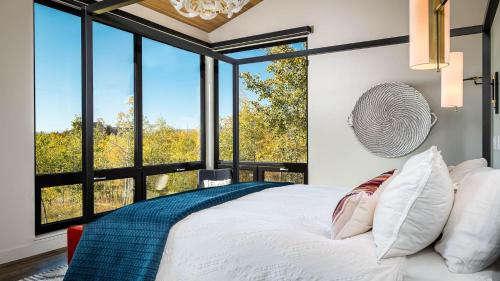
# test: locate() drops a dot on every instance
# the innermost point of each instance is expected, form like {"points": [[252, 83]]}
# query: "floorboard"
{"points": [[16, 270]]}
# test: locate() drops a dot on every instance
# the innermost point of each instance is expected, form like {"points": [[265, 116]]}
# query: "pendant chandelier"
{"points": [[429, 34], [208, 9]]}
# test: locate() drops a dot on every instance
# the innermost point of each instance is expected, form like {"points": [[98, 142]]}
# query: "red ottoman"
{"points": [[74, 235]]}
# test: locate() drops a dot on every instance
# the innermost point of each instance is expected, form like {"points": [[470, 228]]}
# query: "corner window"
{"points": [[272, 118]]}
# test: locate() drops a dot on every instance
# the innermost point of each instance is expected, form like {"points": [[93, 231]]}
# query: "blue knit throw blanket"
{"points": [[128, 243]]}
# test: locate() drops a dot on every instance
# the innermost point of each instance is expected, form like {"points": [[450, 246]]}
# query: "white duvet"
{"points": [[280, 233]]}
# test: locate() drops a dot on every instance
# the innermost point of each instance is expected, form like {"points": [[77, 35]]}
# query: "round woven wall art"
{"points": [[392, 119]]}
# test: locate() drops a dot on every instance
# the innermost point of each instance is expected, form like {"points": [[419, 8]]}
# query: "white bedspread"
{"points": [[281, 233], [428, 265]]}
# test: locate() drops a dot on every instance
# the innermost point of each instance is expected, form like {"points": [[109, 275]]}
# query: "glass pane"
{"points": [[297, 178], [113, 194], [61, 203], [113, 98], [58, 91], [166, 184], [225, 111], [246, 175], [171, 104], [273, 110]]}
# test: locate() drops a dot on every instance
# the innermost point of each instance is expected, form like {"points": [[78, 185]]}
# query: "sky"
{"points": [[171, 77], [225, 77]]}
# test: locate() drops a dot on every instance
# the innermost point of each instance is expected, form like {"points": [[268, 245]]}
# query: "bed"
{"points": [[283, 233], [278, 233]]}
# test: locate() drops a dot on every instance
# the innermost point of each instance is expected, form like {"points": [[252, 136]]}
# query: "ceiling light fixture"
{"points": [[208, 9]]}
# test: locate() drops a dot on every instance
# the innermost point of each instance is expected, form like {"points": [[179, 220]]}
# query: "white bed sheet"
{"points": [[428, 265], [281, 233]]}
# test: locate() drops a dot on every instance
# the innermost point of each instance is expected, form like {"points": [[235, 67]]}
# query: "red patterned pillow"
{"points": [[354, 212]]}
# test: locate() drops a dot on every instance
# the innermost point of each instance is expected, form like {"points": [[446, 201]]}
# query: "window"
{"points": [[61, 203], [58, 86], [273, 108], [113, 97], [247, 175], [113, 194], [147, 122], [166, 184], [114, 117], [171, 100], [225, 84], [284, 177], [58, 133], [273, 114]]}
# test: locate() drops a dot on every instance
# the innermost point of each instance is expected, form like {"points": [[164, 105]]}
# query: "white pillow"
{"points": [[460, 171], [471, 238], [414, 207]]}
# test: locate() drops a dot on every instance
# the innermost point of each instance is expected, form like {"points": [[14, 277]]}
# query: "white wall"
{"points": [[17, 220], [339, 21], [337, 80]]}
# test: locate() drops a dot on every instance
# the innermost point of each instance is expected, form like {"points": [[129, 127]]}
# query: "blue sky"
{"points": [[171, 82], [58, 89], [225, 77]]}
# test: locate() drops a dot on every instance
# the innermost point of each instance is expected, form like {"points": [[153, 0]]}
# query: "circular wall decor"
{"points": [[392, 119]]}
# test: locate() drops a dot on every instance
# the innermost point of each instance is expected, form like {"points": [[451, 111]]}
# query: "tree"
{"points": [[273, 127]]}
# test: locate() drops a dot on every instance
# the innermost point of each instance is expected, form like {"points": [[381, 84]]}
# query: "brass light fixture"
{"points": [[429, 34], [452, 85], [494, 89]]}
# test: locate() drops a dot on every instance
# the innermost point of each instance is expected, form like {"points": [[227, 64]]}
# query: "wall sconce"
{"points": [[452, 85], [429, 34], [478, 81]]}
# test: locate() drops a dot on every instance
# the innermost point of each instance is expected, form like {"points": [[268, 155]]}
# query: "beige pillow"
{"points": [[471, 237], [462, 170], [354, 212]]}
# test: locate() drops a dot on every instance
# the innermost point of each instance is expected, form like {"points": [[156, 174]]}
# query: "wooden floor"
{"points": [[26, 267]]}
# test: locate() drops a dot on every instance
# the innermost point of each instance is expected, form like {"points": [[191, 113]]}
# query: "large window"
{"points": [[171, 102], [146, 124], [225, 73], [113, 97], [58, 115], [273, 115], [172, 111], [58, 132]]}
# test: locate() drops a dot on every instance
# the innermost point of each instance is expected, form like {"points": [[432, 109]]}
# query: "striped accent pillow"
{"points": [[354, 212]]}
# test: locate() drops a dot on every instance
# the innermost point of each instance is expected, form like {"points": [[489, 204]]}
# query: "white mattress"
{"points": [[278, 234]]}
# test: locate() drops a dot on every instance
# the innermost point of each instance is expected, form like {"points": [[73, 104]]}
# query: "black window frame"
{"points": [[138, 172], [258, 168]]}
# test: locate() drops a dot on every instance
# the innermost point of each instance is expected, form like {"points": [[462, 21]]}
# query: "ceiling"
{"points": [[164, 7]]}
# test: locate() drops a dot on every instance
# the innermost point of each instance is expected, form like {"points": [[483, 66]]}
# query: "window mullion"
{"points": [[140, 180], [87, 117], [203, 112]]}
